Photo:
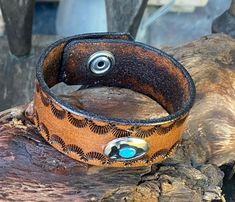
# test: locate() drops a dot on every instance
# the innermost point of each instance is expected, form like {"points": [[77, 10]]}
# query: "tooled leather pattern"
{"points": [[55, 139]]}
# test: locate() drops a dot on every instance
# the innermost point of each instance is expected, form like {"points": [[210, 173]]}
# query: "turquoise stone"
{"points": [[127, 152]]}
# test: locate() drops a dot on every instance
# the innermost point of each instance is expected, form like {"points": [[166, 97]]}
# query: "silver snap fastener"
{"points": [[100, 62]]}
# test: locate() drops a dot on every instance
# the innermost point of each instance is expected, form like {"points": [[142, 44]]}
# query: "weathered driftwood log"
{"points": [[31, 170]]}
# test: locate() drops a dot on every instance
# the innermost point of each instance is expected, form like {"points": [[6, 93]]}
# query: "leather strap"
{"points": [[106, 141]]}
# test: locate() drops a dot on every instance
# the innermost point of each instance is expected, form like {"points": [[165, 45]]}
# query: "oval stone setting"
{"points": [[127, 152], [126, 148]]}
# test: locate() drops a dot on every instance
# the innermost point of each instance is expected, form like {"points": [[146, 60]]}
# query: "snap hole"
{"points": [[101, 64]]}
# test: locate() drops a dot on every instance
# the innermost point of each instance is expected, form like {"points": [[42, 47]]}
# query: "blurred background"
{"points": [[159, 23], [184, 20]]}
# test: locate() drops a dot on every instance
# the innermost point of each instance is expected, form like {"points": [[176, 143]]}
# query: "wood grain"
{"points": [[115, 103]]}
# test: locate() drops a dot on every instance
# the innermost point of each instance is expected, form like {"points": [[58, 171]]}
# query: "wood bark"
{"points": [[31, 170]]}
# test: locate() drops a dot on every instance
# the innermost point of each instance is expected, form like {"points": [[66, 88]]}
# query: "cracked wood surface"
{"points": [[31, 170]]}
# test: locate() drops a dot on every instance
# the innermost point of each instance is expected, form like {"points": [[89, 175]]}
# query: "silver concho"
{"points": [[126, 148]]}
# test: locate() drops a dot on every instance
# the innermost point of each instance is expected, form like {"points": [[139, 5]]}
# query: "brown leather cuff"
{"points": [[115, 60]]}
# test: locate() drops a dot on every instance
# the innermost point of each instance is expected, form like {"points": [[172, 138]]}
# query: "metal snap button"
{"points": [[100, 62]]}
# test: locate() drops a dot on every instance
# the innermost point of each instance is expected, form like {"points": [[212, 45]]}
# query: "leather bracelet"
{"points": [[113, 60]]}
